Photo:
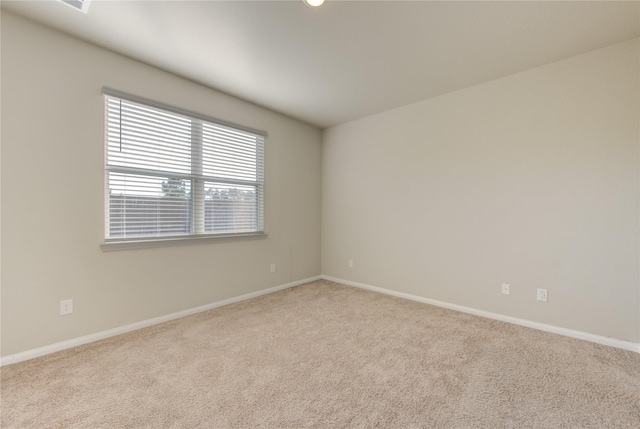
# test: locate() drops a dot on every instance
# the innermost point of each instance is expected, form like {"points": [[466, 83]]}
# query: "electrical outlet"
{"points": [[66, 306], [350, 263], [273, 268], [506, 289], [542, 295]]}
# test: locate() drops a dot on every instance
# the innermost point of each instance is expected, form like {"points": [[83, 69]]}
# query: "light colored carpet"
{"points": [[323, 355]]}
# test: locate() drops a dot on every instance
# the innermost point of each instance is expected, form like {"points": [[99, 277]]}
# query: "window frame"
{"points": [[197, 198]]}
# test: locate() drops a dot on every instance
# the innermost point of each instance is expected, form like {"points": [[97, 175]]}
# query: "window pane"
{"points": [[141, 206], [142, 137], [228, 153], [230, 208]]}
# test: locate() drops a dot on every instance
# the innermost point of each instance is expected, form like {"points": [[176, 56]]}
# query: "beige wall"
{"points": [[531, 180], [52, 197]]}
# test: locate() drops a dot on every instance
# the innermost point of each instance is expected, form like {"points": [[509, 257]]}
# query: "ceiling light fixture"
{"points": [[81, 5], [313, 3]]}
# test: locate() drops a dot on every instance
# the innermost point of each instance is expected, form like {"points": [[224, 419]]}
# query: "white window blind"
{"points": [[171, 173]]}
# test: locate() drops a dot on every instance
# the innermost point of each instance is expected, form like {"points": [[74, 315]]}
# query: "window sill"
{"points": [[178, 241]]}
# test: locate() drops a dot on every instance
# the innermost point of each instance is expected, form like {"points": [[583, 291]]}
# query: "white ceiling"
{"points": [[346, 59]]}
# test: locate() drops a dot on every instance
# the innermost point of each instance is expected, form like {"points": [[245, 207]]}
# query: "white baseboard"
{"points": [[74, 342], [620, 344]]}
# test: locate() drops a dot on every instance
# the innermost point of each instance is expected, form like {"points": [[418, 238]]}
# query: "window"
{"points": [[175, 174]]}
